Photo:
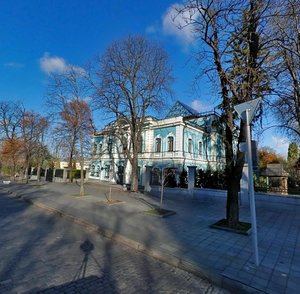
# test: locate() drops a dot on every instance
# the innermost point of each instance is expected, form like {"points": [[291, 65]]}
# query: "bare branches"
{"points": [[232, 31], [68, 97], [287, 48], [10, 116], [134, 78]]}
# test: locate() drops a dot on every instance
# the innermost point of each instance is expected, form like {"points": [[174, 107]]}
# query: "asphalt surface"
{"points": [[43, 253], [184, 240]]}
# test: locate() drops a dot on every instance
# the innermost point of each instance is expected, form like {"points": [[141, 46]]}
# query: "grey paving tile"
{"points": [[259, 283], [293, 285], [278, 230]]}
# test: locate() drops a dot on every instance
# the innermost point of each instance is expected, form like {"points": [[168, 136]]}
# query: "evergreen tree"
{"points": [[293, 152]]}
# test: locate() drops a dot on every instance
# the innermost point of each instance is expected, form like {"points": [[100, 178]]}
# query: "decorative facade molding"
{"points": [[182, 123]]}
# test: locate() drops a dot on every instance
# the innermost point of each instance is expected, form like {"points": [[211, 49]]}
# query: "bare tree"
{"points": [[134, 78], [41, 152], [67, 97], [77, 126], [32, 127], [230, 35], [285, 25]]}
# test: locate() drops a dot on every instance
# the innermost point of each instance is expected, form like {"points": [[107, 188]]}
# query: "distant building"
{"points": [[277, 178], [65, 164], [183, 138]]}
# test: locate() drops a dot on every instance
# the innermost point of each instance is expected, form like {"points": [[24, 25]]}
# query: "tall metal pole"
{"points": [[251, 188]]}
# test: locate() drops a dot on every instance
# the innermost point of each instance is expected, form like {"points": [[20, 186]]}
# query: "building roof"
{"points": [[274, 170], [181, 109]]}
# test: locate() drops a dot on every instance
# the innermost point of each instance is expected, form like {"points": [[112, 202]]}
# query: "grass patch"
{"points": [[241, 228], [160, 212]]}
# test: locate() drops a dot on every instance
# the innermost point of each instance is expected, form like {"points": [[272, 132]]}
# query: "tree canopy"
{"points": [[133, 78]]}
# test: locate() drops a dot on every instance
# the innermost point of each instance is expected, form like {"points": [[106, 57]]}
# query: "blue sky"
{"points": [[39, 36]]}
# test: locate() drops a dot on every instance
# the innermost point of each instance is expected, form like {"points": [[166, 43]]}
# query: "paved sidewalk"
{"points": [[185, 239]]}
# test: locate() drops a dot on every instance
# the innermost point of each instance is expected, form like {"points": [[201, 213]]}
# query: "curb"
{"points": [[202, 272], [162, 256]]}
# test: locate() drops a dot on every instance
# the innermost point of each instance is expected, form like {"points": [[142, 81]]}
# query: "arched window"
{"points": [[107, 171], [158, 145], [170, 144], [204, 144], [110, 145], [95, 148], [190, 145], [200, 149]]}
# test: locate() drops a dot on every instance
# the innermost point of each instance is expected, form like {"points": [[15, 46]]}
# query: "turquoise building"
{"points": [[183, 138]]}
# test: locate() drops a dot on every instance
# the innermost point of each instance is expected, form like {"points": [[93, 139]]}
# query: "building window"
{"points": [[158, 145], [107, 171], [204, 144], [93, 170], [109, 145], [190, 146], [200, 148], [170, 144]]}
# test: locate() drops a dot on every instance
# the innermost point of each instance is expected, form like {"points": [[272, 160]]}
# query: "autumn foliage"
{"points": [[266, 156], [11, 154]]}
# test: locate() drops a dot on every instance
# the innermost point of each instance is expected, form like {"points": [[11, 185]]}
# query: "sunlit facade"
{"points": [[183, 138]]}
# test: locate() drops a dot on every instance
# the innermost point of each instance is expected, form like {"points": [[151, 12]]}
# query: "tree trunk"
{"points": [[81, 166], [27, 170], [38, 173], [234, 170], [232, 205], [71, 167], [135, 175]]}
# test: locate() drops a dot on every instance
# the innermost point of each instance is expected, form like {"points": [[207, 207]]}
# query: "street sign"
{"points": [[251, 105], [246, 112]]}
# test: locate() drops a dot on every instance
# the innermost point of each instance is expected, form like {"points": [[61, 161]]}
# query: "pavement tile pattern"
{"points": [[185, 239], [41, 253]]}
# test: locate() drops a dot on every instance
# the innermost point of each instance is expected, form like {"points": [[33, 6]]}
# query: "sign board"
{"points": [[251, 105]]}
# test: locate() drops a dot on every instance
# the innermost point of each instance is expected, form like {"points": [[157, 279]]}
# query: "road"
{"points": [[43, 253]]}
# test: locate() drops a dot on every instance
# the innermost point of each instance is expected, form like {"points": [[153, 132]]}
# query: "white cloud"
{"points": [[53, 64], [177, 24], [201, 107], [57, 65]]}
